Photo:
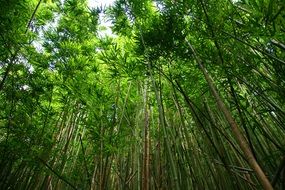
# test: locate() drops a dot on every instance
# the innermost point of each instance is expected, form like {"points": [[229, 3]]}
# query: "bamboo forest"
{"points": [[142, 94]]}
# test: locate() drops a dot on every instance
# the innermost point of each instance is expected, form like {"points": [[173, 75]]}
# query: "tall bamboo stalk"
{"points": [[235, 128], [146, 176]]}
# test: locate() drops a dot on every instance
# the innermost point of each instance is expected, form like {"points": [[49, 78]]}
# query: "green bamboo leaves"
{"points": [[181, 95]]}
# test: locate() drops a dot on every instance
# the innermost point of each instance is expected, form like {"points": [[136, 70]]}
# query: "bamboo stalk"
{"points": [[235, 128]]}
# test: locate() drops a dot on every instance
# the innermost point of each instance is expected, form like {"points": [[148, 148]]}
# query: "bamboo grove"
{"points": [[184, 94]]}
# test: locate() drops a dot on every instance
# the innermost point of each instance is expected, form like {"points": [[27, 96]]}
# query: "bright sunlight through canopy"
{"points": [[97, 3]]}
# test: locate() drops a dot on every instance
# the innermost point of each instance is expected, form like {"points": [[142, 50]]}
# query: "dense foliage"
{"points": [[182, 95]]}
